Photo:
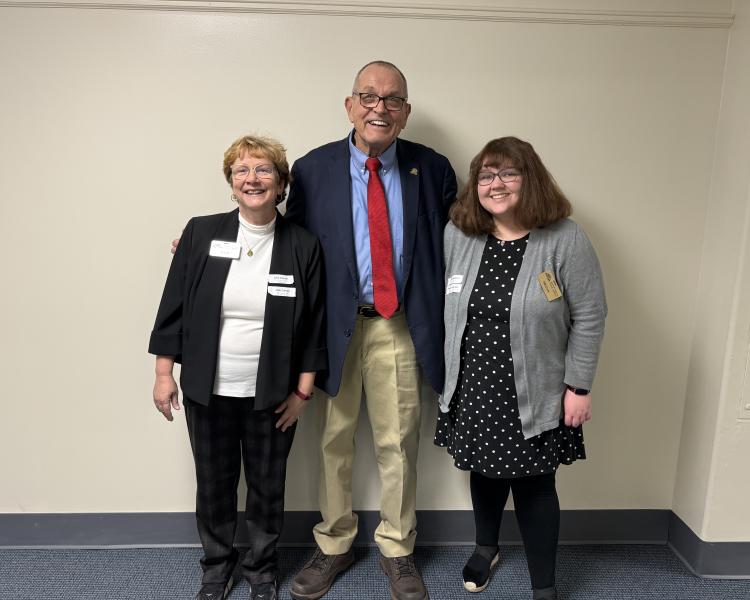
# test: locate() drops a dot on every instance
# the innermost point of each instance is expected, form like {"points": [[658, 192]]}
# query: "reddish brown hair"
{"points": [[540, 203], [259, 147]]}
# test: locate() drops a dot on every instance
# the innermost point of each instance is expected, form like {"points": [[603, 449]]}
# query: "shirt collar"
{"points": [[258, 229], [387, 159]]}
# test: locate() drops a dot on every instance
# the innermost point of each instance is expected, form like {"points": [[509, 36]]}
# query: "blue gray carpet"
{"points": [[636, 572]]}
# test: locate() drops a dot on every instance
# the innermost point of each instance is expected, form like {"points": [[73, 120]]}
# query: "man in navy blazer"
{"points": [[382, 356]]}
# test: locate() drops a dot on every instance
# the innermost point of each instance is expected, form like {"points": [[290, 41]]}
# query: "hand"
{"points": [[290, 410], [175, 243], [166, 396], [577, 409]]}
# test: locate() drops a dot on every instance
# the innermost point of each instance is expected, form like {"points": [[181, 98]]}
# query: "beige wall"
{"points": [[114, 123], [712, 484]]}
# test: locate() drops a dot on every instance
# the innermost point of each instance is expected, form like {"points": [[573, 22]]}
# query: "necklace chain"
{"points": [[250, 249]]}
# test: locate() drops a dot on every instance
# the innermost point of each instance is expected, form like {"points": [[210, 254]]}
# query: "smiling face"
{"points": [[376, 128], [255, 195], [498, 198]]}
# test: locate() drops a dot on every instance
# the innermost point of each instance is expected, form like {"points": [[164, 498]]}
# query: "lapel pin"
{"points": [[414, 171]]}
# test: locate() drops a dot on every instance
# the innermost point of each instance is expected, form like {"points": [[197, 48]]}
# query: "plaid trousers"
{"points": [[222, 434]]}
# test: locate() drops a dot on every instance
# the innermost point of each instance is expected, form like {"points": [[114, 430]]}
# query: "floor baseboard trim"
{"points": [[435, 528], [712, 560]]}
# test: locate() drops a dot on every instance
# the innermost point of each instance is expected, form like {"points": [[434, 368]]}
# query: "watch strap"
{"points": [[578, 391]]}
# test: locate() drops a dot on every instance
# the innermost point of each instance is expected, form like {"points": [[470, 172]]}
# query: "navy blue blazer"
{"points": [[320, 200], [188, 322]]}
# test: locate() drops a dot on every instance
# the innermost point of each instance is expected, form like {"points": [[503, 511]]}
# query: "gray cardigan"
{"points": [[553, 343]]}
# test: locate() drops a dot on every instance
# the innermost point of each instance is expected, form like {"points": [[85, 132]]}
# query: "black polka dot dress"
{"points": [[482, 429]]}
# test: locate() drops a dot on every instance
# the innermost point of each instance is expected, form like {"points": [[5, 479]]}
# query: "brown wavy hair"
{"points": [[540, 201]]}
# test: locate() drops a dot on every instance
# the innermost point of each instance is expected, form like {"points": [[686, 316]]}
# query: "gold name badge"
{"points": [[549, 285]]}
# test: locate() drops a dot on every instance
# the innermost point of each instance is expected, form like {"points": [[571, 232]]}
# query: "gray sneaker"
{"points": [[406, 582], [263, 591], [216, 591], [317, 576]]}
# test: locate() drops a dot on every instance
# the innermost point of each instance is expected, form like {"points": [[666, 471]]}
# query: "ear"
{"points": [[407, 111], [282, 192], [348, 105]]}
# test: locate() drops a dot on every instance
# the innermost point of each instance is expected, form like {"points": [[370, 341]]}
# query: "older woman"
{"points": [[524, 319], [242, 310]]}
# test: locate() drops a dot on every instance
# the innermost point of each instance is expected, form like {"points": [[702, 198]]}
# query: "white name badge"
{"points": [[455, 282], [274, 278], [289, 292], [225, 249]]}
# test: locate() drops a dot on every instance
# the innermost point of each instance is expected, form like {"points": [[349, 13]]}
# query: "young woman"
{"points": [[524, 319]]}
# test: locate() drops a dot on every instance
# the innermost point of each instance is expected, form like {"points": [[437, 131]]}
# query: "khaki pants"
{"points": [[380, 360]]}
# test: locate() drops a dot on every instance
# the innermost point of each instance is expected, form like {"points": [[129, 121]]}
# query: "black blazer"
{"points": [[188, 321], [320, 200]]}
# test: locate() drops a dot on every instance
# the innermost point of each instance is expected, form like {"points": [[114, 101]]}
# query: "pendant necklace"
{"points": [[249, 249]]}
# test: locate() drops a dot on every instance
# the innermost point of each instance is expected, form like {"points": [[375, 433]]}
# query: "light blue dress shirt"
{"points": [[391, 180]]}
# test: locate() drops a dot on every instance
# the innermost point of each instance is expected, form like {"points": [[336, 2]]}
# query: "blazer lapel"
{"points": [[217, 269], [278, 318], [340, 202], [408, 169], [207, 302]]}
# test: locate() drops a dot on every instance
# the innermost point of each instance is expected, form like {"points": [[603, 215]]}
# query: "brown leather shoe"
{"points": [[406, 582], [316, 577]]}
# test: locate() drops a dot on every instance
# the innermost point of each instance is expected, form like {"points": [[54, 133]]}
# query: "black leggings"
{"points": [[537, 512]]}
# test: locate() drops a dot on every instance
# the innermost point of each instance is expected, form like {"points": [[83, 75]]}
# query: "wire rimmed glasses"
{"points": [[261, 171]]}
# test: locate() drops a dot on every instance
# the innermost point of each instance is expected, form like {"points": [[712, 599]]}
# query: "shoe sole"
{"points": [[393, 596], [323, 592], [472, 587]]}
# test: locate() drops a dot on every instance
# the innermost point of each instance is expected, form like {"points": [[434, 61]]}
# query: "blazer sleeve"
{"points": [[314, 355], [166, 337], [450, 189], [584, 293]]}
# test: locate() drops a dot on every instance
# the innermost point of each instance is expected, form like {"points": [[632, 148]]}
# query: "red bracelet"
{"points": [[302, 395]]}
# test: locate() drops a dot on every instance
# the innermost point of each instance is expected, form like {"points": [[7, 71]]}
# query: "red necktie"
{"points": [[381, 252]]}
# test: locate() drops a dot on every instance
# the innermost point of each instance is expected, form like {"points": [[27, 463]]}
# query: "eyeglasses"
{"points": [[261, 171], [368, 100], [506, 176]]}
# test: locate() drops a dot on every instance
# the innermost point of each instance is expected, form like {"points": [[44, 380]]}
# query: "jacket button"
{"points": [[348, 333]]}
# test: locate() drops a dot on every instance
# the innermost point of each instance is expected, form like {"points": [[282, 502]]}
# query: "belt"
{"points": [[368, 311]]}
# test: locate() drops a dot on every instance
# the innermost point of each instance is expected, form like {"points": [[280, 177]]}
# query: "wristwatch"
{"points": [[578, 391]]}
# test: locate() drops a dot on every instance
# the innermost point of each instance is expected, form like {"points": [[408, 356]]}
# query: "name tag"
{"points": [[549, 285], [455, 283], [274, 278], [289, 292], [225, 249]]}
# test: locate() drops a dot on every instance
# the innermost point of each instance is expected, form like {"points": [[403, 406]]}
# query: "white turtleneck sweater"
{"points": [[242, 311]]}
